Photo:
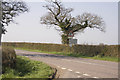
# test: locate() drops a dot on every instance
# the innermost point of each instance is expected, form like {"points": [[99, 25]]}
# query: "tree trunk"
{"points": [[65, 39], [0, 38], [0, 55], [0, 21]]}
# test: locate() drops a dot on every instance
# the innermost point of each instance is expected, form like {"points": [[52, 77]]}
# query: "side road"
{"points": [[71, 67]]}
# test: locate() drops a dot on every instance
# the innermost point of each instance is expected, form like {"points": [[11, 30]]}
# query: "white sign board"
{"points": [[72, 42]]}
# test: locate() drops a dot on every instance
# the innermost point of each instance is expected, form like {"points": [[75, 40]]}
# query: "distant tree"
{"points": [[60, 16], [8, 10]]}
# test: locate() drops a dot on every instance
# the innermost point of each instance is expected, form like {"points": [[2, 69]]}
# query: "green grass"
{"points": [[26, 68], [114, 59]]}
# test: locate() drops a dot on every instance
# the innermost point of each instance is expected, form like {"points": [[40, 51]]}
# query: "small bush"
{"points": [[8, 58]]}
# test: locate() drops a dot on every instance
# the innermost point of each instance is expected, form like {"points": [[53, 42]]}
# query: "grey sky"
{"points": [[29, 28]]}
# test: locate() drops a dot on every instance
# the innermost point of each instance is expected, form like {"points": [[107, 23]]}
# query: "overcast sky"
{"points": [[29, 28]]}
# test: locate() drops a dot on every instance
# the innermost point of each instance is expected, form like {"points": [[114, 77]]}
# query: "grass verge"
{"points": [[26, 68], [114, 59]]}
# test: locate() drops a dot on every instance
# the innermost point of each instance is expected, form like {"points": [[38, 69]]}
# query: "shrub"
{"points": [[8, 58]]}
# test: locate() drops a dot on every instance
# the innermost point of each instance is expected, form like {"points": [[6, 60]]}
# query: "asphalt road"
{"points": [[72, 67]]}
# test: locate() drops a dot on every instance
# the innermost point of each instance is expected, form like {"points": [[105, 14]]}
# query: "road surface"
{"points": [[72, 67]]}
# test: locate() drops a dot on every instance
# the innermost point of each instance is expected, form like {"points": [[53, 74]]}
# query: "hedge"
{"points": [[8, 58], [86, 50]]}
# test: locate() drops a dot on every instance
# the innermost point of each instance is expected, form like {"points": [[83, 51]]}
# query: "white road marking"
{"points": [[86, 74], [77, 72], [95, 77], [69, 70], [66, 59], [63, 68], [83, 62], [89, 63], [58, 66], [78, 76]]}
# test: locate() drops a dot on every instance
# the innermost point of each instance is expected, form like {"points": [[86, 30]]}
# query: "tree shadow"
{"points": [[44, 55]]}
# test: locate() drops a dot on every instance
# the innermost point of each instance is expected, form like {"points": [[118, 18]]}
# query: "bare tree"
{"points": [[9, 10], [60, 16]]}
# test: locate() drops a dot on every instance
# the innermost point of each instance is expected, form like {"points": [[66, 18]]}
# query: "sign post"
{"points": [[71, 40]]}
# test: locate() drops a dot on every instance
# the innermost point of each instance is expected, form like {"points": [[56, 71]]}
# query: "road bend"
{"points": [[72, 67]]}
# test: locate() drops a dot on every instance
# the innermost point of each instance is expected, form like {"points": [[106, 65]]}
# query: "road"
{"points": [[72, 67]]}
